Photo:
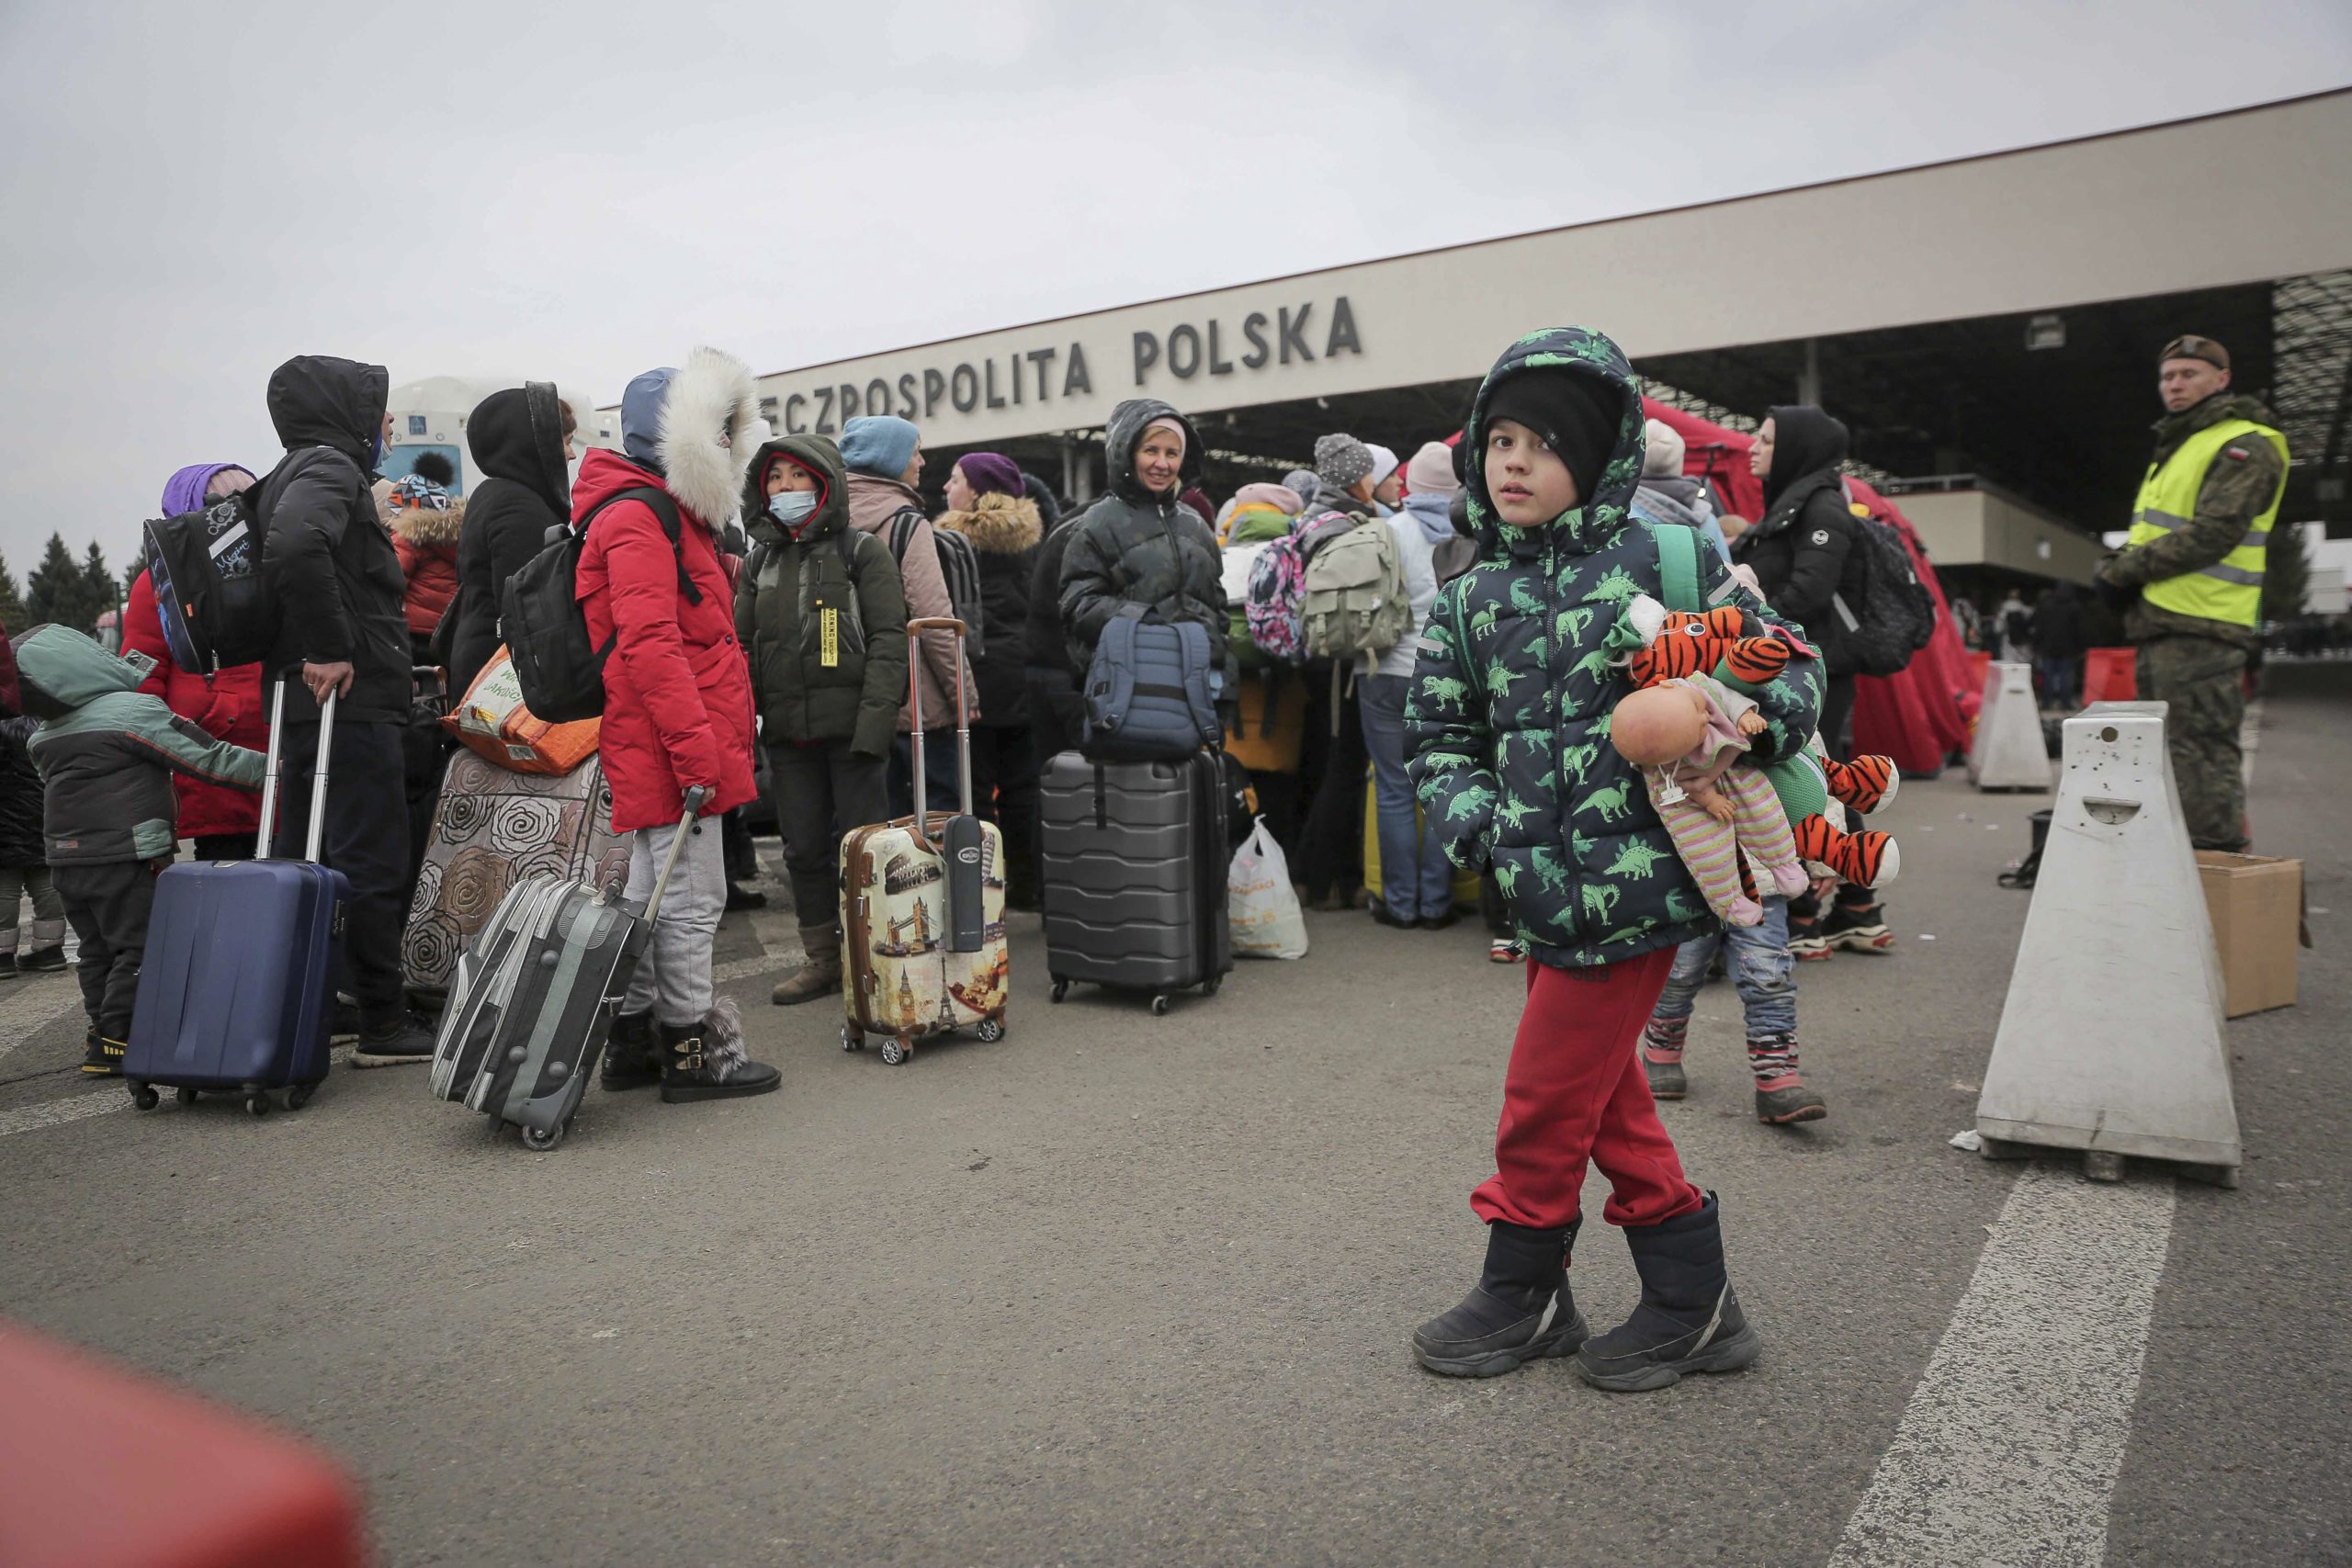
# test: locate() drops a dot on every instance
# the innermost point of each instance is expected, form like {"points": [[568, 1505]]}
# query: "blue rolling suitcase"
{"points": [[238, 983]]}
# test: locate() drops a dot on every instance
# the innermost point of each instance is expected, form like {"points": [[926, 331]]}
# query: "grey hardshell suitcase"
{"points": [[1133, 862], [533, 998]]}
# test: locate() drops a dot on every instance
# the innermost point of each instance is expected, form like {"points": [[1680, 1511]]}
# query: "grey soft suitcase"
{"points": [[534, 995], [1133, 871]]}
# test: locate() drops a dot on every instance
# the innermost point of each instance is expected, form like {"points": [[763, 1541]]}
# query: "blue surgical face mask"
{"points": [[791, 508]]}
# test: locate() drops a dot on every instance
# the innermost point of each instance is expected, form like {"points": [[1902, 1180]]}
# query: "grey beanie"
{"points": [[1341, 460]]}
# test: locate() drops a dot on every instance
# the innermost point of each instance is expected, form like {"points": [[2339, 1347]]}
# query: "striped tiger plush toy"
{"points": [[1674, 644]]}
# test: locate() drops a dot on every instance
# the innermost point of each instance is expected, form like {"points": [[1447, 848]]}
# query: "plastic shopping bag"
{"points": [[1261, 903]]}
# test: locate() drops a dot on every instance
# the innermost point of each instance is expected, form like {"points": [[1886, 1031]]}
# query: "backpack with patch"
{"points": [[560, 668], [1277, 585], [1354, 603], [215, 607], [959, 563], [1897, 615]]}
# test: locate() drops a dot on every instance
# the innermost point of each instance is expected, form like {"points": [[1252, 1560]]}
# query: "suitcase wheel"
{"points": [[541, 1143], [299, 1095], [852, 1040], [257, 1103], [143, 1097], [894, 1051], [990, 1030], [1061, 988], [185, 1096], [1159, 1005], [1210, 986]]}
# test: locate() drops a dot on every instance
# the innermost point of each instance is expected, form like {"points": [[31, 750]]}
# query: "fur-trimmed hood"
{"points": [[997, 525], [426, 528], [706, 425]]}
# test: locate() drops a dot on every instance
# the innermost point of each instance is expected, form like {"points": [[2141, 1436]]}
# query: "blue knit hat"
{"points": [[881, 445]]}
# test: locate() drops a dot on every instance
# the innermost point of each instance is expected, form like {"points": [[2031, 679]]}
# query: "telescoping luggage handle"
{"points": [[318, 776], [915, 629], [687, 823]]}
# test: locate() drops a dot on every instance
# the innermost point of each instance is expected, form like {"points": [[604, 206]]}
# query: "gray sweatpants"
{"points": [[674, 980], [49, 911]]}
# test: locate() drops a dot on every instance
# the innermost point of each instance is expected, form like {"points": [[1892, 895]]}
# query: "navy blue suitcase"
{"points": [[237, 987]]}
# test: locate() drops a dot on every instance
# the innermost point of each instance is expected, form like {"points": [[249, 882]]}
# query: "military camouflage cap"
{"points": [[2189, 345]]}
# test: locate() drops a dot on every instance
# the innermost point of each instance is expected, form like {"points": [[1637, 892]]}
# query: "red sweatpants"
{"points": [[1575, 1092]]}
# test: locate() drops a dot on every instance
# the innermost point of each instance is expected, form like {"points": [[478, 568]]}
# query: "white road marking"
{"points": [[2008, 1450], [34, 1003]]}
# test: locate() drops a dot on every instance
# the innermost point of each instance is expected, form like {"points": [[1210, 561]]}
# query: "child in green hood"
{"points": [[1506, 723], [107, 752]]}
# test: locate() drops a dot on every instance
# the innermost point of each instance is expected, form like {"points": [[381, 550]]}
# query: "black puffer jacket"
{"points": [[328, 556], [21, 818], [1005, 534], [1136, 549], [1803, 549], [516, 438]]}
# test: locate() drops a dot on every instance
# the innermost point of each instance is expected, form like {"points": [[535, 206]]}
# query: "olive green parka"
{"points": [[820, 614]]}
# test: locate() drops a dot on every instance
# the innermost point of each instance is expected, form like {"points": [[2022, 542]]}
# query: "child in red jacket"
{"points": [[424, 520]]}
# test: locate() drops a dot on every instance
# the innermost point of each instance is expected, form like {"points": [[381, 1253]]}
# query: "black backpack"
{"points": [[1897, 614], [959, 563], [214, 604], [546, 631]]}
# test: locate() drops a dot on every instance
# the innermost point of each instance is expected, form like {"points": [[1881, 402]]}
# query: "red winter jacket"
{"points": [[677, 689], [230, 706], [427, 541]]}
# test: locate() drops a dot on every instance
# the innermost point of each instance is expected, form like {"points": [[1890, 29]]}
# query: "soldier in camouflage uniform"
{"points": [[2191, 576], [1506, 722]]}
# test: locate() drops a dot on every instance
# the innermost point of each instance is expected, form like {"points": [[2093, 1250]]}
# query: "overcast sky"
{"points": [[192, 193]]}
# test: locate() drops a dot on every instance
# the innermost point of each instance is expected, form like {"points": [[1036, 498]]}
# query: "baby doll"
{"points": [[1690, 736]]}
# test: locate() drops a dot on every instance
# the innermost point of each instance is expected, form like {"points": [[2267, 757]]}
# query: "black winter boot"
{"points": [[698, 1063], [1520, 1309], [632, 1055], [1689, 1319]]}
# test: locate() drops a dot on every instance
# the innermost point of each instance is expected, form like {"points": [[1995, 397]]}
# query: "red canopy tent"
{"points": [[1915, 718]]}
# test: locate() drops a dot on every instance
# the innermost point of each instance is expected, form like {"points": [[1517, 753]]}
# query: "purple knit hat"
{"points": [[183, 491], [989, 474]]}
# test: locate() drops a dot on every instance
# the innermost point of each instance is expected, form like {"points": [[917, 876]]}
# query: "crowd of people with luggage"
{"points": [[1534, 654]]}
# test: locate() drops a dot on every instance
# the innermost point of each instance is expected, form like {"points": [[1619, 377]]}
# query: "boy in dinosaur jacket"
{"points": [[107, 751], [1507, 723]]}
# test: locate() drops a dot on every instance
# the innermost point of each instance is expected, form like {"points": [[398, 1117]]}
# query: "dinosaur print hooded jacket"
{"points": [[1509, 712]]}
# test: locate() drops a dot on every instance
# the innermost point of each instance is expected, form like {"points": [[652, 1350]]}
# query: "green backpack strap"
{"points": [[1678, 566]]}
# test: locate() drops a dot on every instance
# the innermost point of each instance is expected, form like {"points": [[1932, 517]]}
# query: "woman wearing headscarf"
{"points": [[1802, 553], [988, 503], [229, 706]]}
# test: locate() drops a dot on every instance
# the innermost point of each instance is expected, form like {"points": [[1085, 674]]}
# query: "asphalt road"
{"points": [[1120, 1290]]}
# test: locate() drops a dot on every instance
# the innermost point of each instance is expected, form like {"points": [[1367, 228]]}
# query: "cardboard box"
{"points": [[2257, 905]]}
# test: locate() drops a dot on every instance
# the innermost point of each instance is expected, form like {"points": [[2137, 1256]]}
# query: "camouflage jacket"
{"points": [[1507, 719], [2234, 493]]}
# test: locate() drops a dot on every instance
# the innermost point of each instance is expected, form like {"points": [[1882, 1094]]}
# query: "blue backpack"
{"points": [[1147, 693]]}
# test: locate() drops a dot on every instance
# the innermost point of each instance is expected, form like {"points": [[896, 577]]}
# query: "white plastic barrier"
{"points": [[2110, 1041], [2008, 752]]}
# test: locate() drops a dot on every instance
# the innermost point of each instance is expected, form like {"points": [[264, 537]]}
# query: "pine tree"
{"points": [[2286, 574], [12, 601], [99, 578], [57, 593]]}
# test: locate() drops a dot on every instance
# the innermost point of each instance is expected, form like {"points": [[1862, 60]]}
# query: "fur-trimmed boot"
{"points": [[1689, 1319], [632, 1054], [1520, 1309], [820, 973], [1662, 1042], [706, 1060]]}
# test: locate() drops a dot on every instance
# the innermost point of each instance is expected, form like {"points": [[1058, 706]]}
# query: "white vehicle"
{"points": [[430, 416]]}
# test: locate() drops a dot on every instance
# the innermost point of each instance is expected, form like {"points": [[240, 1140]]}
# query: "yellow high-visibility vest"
{"points": [[2231, 589]]}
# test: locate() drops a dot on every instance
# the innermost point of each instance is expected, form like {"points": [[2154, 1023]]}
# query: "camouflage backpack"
{"points": [[1354, 602]]}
